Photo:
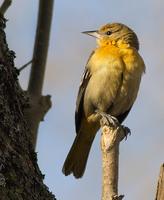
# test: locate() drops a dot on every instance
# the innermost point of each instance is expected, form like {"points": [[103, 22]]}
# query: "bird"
{"points": [[109, 85]]}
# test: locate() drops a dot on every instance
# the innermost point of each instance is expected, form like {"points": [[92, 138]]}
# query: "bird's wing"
{"points": [[80, 97], [123, 116]]}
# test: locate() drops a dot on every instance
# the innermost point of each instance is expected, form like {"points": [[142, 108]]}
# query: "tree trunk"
{"points": [[20, 177]]}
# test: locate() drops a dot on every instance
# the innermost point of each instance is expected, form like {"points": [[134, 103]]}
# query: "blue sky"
{"points": [[142, 154]]}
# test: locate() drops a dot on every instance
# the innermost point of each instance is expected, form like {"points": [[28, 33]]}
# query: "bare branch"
{"points": [[110, 140], [39, 105], [5, 5], [35, 114], [41, 47]]}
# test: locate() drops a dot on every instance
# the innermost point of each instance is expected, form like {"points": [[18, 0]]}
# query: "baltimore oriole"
{"points": [[110, 85]]}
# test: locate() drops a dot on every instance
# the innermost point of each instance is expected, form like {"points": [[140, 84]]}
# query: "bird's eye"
{"points": [[108, 32]]}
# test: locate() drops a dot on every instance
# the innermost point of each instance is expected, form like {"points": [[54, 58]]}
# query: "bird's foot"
{"points": [[113, 122], [116, 197], [126, 131], [108, 120]]}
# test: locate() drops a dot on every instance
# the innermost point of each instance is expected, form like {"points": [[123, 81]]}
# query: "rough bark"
{"points": [[160, 186], [20, 177]]}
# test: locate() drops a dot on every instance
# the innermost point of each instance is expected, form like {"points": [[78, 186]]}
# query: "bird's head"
{"points": [[116, 34]]}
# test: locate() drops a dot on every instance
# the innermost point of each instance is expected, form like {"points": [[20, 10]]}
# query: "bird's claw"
{"points": [[109, 119], [113, 122], [126, 131], [116, 197]]}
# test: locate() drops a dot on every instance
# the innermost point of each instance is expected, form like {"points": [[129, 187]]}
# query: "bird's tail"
{"points": [[77, 157]]}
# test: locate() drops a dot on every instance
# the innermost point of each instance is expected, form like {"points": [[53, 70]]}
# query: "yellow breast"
{"points": [[118, 72], [103, 56]]}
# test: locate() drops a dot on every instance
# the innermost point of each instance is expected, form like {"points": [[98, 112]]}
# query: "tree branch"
{"points": [[5, 5], [41, 47], [35, 113], [39, 105], [160, 186], [110, 140]]}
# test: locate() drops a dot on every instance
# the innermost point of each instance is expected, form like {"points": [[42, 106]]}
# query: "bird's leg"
{"points": [[113, 122], [109, 119]]}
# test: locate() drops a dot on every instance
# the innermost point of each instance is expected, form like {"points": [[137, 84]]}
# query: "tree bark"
{"points": [[160, 186], [20, 177]]}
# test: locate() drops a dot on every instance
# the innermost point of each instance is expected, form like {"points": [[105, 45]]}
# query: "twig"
{"points": [[25, 65], [160, 186], [110, 140], [5, 5]]}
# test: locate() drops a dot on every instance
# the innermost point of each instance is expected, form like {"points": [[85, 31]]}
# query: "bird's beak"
{"points": [[92, 33]]}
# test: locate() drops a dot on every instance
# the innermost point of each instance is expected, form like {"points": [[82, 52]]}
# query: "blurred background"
{"points": [[142, 154]]}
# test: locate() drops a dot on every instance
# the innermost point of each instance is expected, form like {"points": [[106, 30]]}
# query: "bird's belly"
{"points": [[126, 96], [108, 92], [101, 91]]}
